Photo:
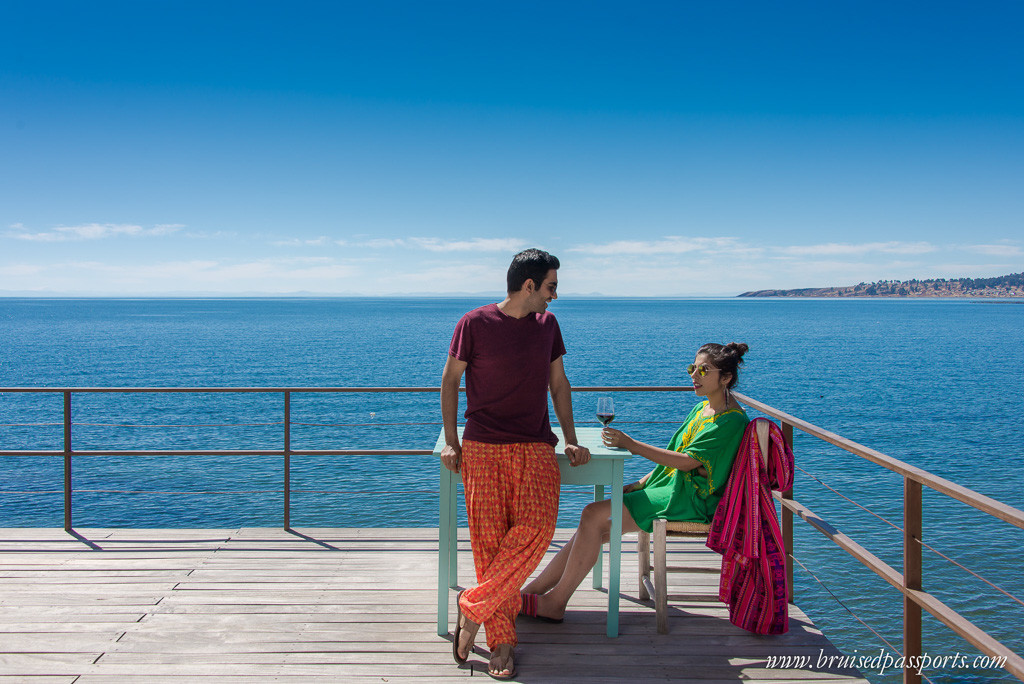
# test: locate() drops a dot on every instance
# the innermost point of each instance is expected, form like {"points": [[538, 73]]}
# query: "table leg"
{"points": [[453, 543], [615, 553], [598, 570], [443, 548]]}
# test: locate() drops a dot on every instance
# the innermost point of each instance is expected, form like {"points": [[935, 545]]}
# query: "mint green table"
{"points": [[605, 468]]}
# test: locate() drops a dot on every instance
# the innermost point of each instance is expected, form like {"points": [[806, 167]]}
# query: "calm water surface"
{"points": [[935, 383]]}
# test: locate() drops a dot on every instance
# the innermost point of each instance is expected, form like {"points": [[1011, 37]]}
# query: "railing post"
{"points": [[787, 521], [67, 461], [287, 460], [912, 577]]}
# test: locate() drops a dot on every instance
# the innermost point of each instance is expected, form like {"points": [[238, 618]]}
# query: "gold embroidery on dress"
{"points": [[688, 436], [691, 431]]}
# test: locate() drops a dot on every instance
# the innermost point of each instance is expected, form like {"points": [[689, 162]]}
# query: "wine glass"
{"points": [[605, 410]]}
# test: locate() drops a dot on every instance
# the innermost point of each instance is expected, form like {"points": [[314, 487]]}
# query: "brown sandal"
{"points": [[512, 670], [461, 660]]}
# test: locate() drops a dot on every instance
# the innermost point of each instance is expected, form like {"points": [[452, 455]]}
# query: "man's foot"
{"points": [[465, 635], [538, 607], [502, 664]]}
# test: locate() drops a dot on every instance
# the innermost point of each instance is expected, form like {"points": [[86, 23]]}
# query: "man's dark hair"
{"points": [[530, 263]]}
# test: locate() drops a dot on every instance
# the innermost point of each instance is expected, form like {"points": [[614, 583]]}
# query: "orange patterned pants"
{"points": [[512, 506]]}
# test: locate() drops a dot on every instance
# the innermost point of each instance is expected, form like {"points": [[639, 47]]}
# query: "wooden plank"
{"points": [[194, 667], [330, 674], [356, 605]]}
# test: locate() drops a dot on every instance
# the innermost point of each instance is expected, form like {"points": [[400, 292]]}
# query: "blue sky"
{"points": [[658, 149]]}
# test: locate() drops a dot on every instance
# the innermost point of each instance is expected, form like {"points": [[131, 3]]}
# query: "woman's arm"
{"points": [[669, 459], [639, 484]]}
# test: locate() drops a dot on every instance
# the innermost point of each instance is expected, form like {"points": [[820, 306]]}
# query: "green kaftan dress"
{"points": [[675, 495]]}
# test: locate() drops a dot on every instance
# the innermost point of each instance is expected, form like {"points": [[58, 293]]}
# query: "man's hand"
{"points": [[451, 457], [576, 454]]}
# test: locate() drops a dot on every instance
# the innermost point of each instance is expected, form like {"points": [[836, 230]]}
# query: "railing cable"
{"points": [[229, 491], [919, 541], [145, 425], [841, 495], [848, 610], [271, 424], [971, 572]]}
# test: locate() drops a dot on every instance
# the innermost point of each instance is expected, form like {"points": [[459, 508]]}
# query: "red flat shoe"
{"points": [[529, 609]]}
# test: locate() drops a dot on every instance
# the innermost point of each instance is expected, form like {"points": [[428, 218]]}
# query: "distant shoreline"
{"points": [[1000, 287], [808, 293], [815, 294], [997, 288]]}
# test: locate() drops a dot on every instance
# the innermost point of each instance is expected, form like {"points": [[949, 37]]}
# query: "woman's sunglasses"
{"points": [[701, 370]]}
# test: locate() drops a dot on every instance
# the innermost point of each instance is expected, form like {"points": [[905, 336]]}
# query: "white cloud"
{"points": [[468, 276], [510, 245], [661, 266], [381, 243], [315, 242], [21, 270], [92, 231], [433, 244], [429, 244], [668, 245], [972, 270], [848, 249], [265, 275], [1003, 249], [211, 235], [165, 228], [679, 266]]}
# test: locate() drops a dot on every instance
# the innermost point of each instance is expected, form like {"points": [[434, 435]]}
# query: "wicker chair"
{"points": [[658, 588]]}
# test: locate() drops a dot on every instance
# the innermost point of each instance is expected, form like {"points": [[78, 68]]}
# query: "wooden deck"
{"points": [[345, 605]]}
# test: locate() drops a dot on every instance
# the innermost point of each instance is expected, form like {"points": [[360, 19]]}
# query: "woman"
{"points": [[687, 483]]}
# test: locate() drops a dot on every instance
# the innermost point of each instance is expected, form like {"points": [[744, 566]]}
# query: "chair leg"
{"points": [[643, 554], [660, 575]]}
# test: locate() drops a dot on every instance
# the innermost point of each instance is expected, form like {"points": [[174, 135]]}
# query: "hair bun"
{"points": [[737, 348]]}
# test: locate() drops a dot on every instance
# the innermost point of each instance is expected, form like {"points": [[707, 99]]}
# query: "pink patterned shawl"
{"points": [[746, 532]]}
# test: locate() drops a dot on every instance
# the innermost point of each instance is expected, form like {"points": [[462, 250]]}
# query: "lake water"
{"points": [[935, 383]]}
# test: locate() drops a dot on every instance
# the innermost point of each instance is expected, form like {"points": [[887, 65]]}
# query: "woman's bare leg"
{"points": [[594, 529], [550, 575]]}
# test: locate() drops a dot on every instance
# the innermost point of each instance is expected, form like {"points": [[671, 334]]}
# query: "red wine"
{"points": [[605, 418]]}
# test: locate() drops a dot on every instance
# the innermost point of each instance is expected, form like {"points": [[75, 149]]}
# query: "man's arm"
{"points": [[451, 378], [561, 397]]}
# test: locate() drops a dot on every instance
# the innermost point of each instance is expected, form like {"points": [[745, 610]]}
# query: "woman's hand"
{"points": [[615, 438]]}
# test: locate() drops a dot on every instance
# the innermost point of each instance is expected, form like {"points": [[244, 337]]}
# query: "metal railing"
{"points": [[285, 452], [908, 582]]}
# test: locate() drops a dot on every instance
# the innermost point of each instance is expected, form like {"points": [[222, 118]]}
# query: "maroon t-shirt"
{"points": [[507, 376]]}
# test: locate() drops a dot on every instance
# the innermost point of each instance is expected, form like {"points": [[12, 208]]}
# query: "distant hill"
{"points": [[1001, 286]]}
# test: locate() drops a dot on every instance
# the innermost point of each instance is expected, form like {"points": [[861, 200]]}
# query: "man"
{"points": [[511, 353]]}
